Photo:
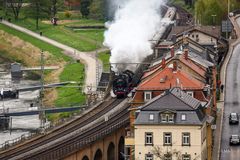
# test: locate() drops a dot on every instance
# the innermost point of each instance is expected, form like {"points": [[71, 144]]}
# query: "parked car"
{"points": [[233, 118], [234, 140]]}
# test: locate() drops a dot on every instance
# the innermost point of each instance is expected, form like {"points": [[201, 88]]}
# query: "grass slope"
{"points": [[83, 40], [104, 57], [56, 52], [71, 72], [71, 96]]}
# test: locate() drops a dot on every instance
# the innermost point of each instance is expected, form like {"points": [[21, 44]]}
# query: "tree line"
{"points": [[88, 8], [212, 12], [39, 9]]}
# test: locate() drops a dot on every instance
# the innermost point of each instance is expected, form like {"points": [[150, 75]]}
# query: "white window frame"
{"points": [[163, 118], [149, 157], [167, 138], [190, 93], [146, 94], [186, 139], [170, 118], [166, 157], [183, 117], [148, 138], [151, 117], [167, 118], [186, 157]]}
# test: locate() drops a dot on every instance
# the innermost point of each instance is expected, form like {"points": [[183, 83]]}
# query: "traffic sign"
{"points": [[227, 26]]}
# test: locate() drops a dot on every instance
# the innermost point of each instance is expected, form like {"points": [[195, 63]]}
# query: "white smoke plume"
{"points": [[135, 23]]}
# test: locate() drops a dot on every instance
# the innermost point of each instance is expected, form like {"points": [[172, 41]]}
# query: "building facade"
{"points": [[171, 126]]}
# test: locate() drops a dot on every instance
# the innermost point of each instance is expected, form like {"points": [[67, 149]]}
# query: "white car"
{"points": [[234, 140]]}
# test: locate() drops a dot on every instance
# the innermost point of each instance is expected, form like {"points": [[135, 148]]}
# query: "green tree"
{"points": [[214, 13], [38, 10], [199, 11], [205, 10], [97, 9], [84, 8], [16, 6], [55, 6]]}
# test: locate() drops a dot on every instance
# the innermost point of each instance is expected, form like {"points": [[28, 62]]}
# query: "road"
{"points": [[231, 104]]}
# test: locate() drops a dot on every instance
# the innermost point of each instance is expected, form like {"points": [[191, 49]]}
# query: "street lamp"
{"points": [[213, 19], [228, 10]]}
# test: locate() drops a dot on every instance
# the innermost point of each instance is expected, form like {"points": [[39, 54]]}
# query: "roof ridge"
{"points": [[191, 98], [182, 101]]}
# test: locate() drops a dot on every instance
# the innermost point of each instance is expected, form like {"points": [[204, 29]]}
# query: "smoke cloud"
{"points": [[135, 23]]}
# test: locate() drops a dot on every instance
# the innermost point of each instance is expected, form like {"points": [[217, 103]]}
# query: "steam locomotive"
{"points": [[123, 84]]}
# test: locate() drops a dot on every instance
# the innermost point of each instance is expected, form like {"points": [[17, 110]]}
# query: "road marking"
{"points": [[226, 150]]}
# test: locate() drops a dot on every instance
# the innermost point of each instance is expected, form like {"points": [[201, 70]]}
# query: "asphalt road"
{"points": [[231, 104]]}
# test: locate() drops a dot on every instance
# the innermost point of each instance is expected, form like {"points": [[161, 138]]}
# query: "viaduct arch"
{"points": [[108, 148]]}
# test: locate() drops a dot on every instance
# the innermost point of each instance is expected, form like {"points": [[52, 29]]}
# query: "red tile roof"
{"points": [[188, 62], [197, 68], [167, 78]]}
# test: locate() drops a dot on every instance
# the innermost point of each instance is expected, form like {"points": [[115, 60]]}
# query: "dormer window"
{"points": [[147, 96], [167, 117], [190, 93], [170, 117], [163, 118]]}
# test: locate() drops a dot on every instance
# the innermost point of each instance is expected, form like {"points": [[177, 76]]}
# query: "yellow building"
{"points": [[171, 126]]}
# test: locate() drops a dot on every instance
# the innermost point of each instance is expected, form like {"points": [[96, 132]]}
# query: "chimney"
{"points": [[163, 63], [172, 51], [174, 66], [186, 54]]}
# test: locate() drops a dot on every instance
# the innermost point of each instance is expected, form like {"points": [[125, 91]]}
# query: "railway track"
{"points": [[66, 147], [183, 17], [61, 131]]}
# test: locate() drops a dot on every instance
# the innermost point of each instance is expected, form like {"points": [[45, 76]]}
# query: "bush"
{"points": [[67, 14]]}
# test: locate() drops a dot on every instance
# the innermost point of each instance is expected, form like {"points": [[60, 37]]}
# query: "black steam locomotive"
{"points": [[123, 84]]}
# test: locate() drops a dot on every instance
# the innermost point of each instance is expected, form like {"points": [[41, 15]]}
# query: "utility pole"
{"points": [[42, 112], [98, 74], [228, 10], [97, 66]]}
